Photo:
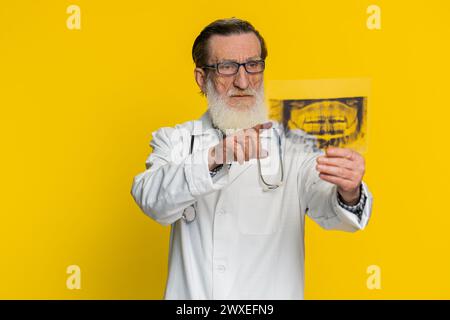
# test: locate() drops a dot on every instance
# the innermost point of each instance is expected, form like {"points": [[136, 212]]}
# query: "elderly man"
{"points": [[235, 187]]}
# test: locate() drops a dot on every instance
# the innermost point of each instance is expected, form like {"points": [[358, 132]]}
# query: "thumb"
{"points": [[260, 126]]}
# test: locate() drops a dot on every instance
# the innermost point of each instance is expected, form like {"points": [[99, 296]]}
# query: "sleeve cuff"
{"points": [[358, 208], [358, 222]]}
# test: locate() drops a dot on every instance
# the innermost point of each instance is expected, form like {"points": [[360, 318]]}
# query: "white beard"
{"points": [[227, 118]]}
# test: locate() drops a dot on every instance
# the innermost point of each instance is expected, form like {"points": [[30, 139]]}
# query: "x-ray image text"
{"points": [[338, 122]]}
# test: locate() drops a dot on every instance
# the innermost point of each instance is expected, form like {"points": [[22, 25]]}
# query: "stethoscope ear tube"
{"points": [[272, 186]]}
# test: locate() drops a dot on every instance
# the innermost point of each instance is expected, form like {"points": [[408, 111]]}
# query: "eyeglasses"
{"points": [[230, 68]]}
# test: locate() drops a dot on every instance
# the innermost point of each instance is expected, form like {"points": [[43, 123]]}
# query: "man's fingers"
{"points": [[341, 152], [247, 148], [336, 171], [244, 148], [238, 149], [340, 182], [338, 162], [245, 144]]}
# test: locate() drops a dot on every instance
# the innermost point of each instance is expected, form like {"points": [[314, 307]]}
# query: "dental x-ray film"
{"points": [[333, 111]]}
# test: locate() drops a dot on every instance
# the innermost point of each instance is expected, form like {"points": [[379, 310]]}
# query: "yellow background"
{"points": [[78, 108]]}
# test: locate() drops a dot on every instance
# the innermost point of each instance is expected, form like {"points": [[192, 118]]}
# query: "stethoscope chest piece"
{"points": [[189, 214]]}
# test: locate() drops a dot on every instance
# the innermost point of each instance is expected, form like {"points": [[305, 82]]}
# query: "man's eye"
{"points": [[252, 64], [227, 66]]}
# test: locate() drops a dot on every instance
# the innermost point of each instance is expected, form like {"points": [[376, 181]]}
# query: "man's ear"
{"points": [[200, 78]]}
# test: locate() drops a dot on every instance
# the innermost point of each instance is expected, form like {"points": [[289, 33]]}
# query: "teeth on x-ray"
{"points": [[333, 122]]}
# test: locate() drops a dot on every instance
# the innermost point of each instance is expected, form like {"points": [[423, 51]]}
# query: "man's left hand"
{"points": [[345, 168]]}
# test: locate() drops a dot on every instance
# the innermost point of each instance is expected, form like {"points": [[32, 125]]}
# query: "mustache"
{"points": [[246, 92]]}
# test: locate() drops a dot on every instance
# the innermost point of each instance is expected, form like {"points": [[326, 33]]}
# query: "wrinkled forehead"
{"points": [[236, 47]]}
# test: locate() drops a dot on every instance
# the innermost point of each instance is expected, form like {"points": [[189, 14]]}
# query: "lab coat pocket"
{"points": [[263, 213]]}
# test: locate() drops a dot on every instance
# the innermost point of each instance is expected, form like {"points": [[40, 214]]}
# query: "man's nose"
{"points": [[241, 78]]}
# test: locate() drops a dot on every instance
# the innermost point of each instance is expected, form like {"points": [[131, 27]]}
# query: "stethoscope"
{"points": [[190, 212], [272, 186]]}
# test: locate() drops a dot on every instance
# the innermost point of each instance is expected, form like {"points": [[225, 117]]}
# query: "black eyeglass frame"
{"points": [[216, 66]]}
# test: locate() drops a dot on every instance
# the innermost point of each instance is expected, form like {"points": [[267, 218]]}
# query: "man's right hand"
{"points": [[240, 146]]}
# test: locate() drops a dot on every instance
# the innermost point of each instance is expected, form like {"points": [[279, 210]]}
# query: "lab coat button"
{"points": [[221, 212], [221, 268]]}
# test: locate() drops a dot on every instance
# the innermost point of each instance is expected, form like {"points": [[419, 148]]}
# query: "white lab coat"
{"points": [[244, 243]]}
